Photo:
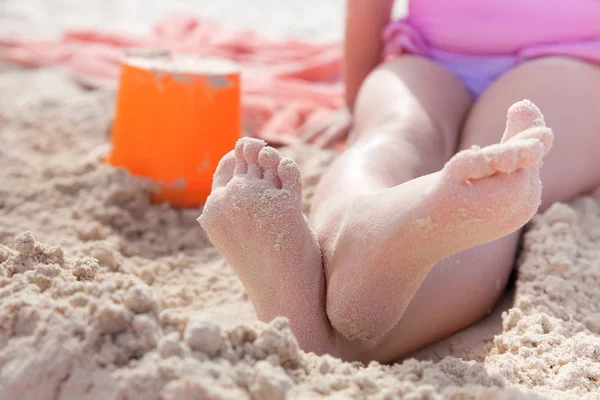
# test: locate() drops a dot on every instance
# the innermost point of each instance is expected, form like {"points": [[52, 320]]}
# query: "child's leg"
{"points": [[460, 289], [254, 218], [380, 229]]}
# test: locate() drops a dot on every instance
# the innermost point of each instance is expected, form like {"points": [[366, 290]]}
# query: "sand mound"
{"points": [[105, 296]]}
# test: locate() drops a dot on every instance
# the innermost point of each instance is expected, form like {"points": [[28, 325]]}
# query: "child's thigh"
{"points": [[411, 92], [568, 94]]}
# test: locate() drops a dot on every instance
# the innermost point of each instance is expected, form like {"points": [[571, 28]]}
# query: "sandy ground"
{"points": [[105, 296]]}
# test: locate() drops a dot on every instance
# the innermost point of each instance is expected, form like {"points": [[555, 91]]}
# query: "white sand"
{"points": [[137, 304]]}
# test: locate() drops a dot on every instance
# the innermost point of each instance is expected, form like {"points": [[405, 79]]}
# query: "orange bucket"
{"points": [[176, 116]]}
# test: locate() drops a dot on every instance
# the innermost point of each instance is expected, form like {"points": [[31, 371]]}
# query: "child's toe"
{"points": [[251, 150], [269, 159], [241, 165], [224, 171], [522, 116], [289, 175]]}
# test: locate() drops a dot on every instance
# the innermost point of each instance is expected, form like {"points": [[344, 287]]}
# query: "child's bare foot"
{"points": [[253, 217], [493, 191], [379, 250]]}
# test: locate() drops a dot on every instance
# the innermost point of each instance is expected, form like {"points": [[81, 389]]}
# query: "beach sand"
{"points": [[105, 296]]}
